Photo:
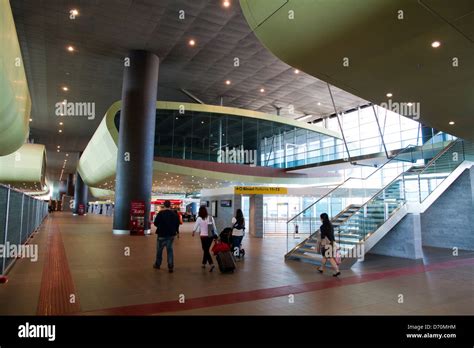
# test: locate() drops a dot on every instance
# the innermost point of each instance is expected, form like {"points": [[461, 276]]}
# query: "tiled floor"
{"points": [[114, 275]]}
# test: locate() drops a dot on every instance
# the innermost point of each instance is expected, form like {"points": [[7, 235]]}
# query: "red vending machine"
{"points": [[137, 218]]}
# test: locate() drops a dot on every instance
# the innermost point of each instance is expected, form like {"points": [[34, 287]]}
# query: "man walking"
{"points": [[167, 224]]}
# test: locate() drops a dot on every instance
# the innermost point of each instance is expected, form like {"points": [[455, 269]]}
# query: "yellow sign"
{"points": [[260, 190]]}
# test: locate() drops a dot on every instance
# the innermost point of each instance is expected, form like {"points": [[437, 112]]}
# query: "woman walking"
{"points": [[328, 246], [238, 232], [206, 228]]}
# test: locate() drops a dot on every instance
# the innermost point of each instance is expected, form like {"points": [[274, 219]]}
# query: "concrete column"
{"points": [[447, 223], [404, 240], [136, 138], [256, 216], [80, 196], [70, 185]]}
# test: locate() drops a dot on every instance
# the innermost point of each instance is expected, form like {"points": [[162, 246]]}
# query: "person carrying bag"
{"points": [[238, 233], [206, 227], [328, 247]]}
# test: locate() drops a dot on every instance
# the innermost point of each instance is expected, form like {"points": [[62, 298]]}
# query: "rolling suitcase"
{"points": [[226, 263]]}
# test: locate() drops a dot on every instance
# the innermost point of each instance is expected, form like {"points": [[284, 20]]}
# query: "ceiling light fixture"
{"points": [[319, 103], [67, 155], [227, 82], [451, 123], [60, 131], [60, 123], [389, 95], [70, 49], [74, 12], [435, 44], [296, 71], [65, 89], [262, 90], [226, 3], [59, 146], [31, 120], [192, 42]]}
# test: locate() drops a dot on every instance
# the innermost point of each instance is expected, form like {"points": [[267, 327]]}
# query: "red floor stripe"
{"points": [[56, 282], [260, 294]]}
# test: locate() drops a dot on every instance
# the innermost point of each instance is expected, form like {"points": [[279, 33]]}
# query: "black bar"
{"points": [[314, 330]]}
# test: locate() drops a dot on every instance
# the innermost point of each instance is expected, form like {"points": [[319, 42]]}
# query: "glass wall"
{"points": [[362, 135], [227, 138], [224, 138]]}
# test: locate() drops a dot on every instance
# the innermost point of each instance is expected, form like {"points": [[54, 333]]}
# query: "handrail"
{"points": [[8, 187], [316, 231], [351, 178], [403, 174], [441, 153], [391, 159]]}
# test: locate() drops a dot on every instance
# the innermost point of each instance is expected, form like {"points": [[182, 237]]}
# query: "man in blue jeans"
{"points": [[167, 224]]}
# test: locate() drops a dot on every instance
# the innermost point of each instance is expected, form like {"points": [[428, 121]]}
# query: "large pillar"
{"points": [[136, 138], [80, 196], [70, 185]]}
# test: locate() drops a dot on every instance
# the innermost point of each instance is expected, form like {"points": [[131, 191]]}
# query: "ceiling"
{"points": [[103, 33], [381, 51]]}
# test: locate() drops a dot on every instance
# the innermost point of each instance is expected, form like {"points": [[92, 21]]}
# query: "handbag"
{"points": [[325, 241], [210, 228], [236, 231]]}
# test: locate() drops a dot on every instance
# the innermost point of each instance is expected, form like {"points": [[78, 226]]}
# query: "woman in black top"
{"points": [[327, 245]]}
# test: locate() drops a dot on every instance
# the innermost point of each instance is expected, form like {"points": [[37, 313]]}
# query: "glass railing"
{"points": [[373, 214], [359, 221], [335, 150], [356, 191], [437, 171], [20, 216]]}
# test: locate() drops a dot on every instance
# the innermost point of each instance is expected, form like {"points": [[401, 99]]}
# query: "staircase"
{"points": [[359, 226], [307, 251]]}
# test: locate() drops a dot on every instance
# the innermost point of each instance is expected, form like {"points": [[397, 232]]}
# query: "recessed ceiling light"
{"points": [[296, 71], [70, 48], [59, 146], [227, 82], [262, 90], [192, 42], [74, 12], [435, 44], [389, 95], [226, 3], [60, 131], [451, 122], [60, 123], [31, 120], [58, 150], [67, 155], [65, 89]]}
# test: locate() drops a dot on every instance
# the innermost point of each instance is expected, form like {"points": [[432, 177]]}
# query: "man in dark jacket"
{"points": [[167, 224]]}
